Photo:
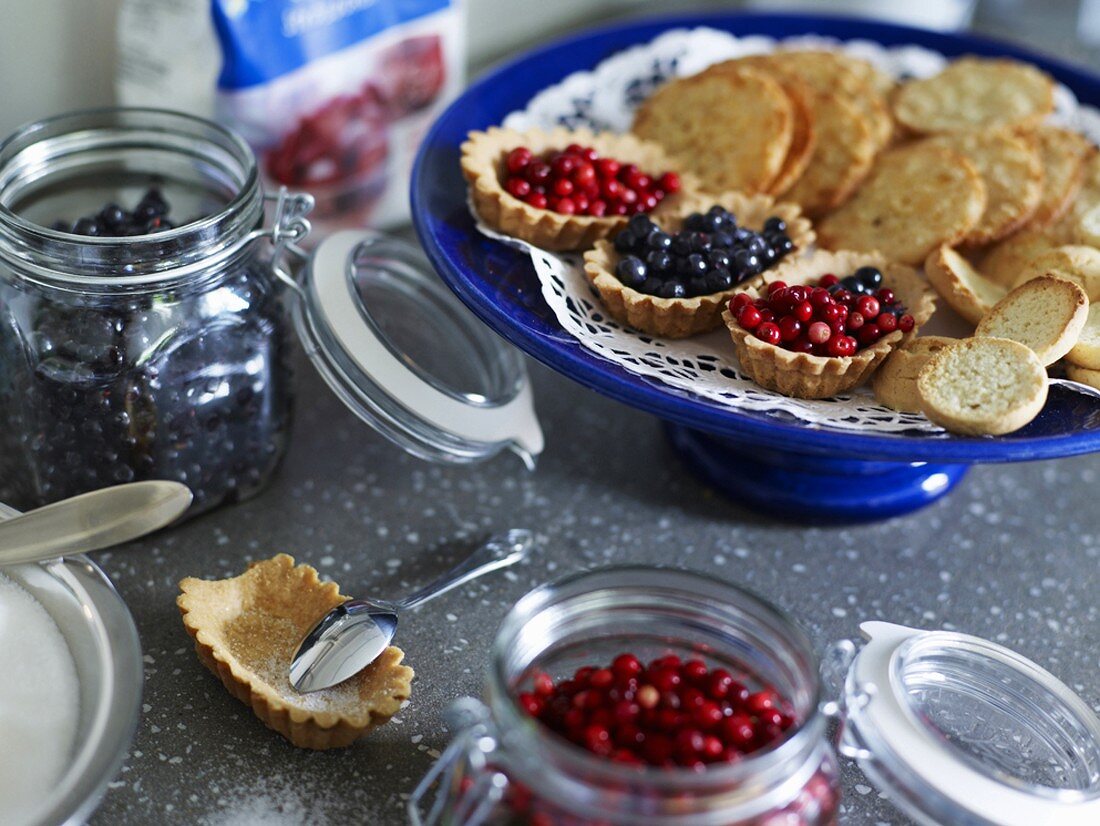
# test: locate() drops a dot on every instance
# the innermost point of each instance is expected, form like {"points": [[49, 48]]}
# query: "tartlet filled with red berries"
{"points": [[564, 189], [673, 273], [821, 325]]}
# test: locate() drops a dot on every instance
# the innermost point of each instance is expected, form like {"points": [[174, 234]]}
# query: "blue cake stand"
{"points": [[769, 461]]}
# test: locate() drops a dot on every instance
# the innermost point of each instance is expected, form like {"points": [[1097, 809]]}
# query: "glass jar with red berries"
{"points": [[640, 695]]}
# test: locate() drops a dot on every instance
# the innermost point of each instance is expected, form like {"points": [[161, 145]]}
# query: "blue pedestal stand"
{"points": [[821, 489]]}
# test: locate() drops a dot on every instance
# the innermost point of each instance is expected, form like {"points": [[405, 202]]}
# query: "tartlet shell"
{"points": [[205, 603], [483, 164], [683, 317], [805, 376]]}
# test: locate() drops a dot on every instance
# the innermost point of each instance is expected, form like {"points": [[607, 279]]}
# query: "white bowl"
{"points": [[104, 644]]}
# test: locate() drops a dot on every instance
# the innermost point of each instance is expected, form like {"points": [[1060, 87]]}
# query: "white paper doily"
{"points": [[605, 99]]}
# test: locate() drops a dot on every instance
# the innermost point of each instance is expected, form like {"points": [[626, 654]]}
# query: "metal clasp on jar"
{"points": [[289, 227], [843, 700], [444, 790]]}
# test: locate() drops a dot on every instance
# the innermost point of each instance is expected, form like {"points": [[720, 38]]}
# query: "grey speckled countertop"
{"points": [[1012, 555]]}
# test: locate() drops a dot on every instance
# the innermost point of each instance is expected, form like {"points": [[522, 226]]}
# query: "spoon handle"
{"points": [[499, 551], [1077, 387]]}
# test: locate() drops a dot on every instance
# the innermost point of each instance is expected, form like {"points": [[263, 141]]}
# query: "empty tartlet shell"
{"points": [[295, 596], [683, 317], [805, 376], [483, 155]]}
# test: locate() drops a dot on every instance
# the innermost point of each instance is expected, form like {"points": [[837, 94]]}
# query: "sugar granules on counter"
{"points": [[39, 704]]}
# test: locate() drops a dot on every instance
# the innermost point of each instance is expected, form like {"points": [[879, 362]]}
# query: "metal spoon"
{"points": [[1077, 387], [351, 636], [90, 522]]}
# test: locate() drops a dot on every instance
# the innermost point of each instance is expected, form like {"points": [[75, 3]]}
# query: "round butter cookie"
{"points": [[1004, 261], [835, 73], [1063, 154], [895, 382], [1046, 314], [916, 198], [1085, 375], [1073, 262], [966, 291], [983, 386], [1086, 352], [731, 128], [843, 157], [976, 93], [1013, 176]]}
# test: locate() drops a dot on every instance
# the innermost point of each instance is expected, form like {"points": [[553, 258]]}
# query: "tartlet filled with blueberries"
{"points": [[672, 274], [822, 324], [564, 189]]}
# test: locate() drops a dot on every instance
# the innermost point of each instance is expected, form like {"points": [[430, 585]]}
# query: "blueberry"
{"points": [[713, 222], [719, 258], [624, 242], [112, 216], [869, 276], [697, 286], [722, 240], [699, 242], [783, 245], [695, 222], [697, 264], [640, 225], [741, 236], [681, 245], [718, 280], [775, 224], [853, 284], [87, 226], [745, 263], [651, 286], [658, 262], [657, 239], [672, 289], [631, 271]]}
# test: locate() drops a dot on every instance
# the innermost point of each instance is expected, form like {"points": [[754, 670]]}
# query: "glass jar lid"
{"points": [[407, 357], [957, 729]]}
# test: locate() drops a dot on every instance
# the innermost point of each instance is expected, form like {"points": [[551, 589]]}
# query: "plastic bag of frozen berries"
{"points": [[334, 95]]}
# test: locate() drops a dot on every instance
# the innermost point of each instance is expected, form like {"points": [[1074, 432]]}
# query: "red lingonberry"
{"points": [[819, 332], [768, 332], [868, 305]]}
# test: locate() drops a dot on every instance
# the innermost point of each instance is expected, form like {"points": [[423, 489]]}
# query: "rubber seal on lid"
{"points": [[406, 357], [956, 729]]}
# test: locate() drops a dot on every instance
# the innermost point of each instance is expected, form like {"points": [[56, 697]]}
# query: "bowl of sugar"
{"points": [[70, 694]]}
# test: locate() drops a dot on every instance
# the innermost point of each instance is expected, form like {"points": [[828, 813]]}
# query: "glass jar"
{"points": [[148, 356], [165, 355], [508, 768], [951, 728]]}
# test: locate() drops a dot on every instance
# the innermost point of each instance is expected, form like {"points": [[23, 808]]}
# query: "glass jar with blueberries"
{"points": [[147, 307], [660, 697]]}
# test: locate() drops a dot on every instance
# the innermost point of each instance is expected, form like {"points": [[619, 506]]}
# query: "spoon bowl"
{"points": [[352, 635]]}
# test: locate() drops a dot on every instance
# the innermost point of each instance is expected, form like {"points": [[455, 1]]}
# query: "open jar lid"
{"points": [[956, 729], [407, 357]]}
